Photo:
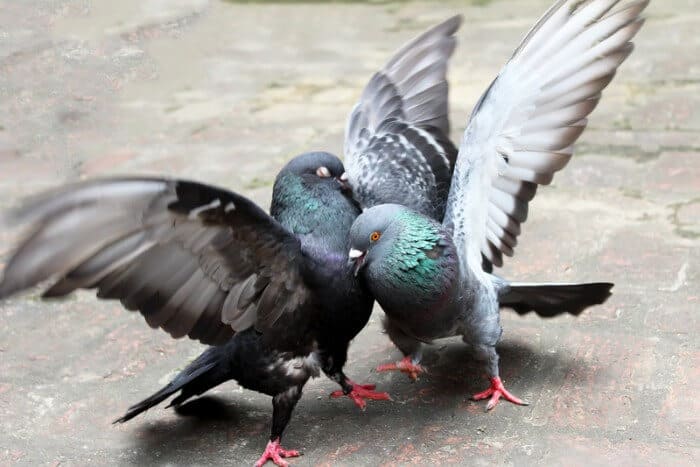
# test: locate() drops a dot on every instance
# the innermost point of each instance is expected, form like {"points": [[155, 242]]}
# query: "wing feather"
{"points": [[182, 253], [524, 126], [397, 146]]}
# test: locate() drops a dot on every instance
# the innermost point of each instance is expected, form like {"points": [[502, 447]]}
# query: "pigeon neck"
{"points": [[421, 263], [320, 214]]}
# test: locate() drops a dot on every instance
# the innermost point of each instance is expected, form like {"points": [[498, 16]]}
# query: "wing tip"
{"points": [[453, 23], [445, 28], [642, 4]]}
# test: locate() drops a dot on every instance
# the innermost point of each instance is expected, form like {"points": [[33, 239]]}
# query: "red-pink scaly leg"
{"points": [[274, 452], [406, 365], [496, 391], [361, 392]]}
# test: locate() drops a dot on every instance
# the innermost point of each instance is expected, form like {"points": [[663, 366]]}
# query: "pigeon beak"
{"points": [[358, 258], [343, 180]]}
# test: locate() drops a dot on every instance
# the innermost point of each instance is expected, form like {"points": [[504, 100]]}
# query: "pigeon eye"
{"points": [[374, 236], [323, 172]]}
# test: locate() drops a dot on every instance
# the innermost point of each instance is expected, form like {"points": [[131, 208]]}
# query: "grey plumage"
{"points": [[524, 127], [520, 133], [397, 146]]}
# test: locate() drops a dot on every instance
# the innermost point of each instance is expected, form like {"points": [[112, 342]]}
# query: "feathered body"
{"points": [[342, 305]]}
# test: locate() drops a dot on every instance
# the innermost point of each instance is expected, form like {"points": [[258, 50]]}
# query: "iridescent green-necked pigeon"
{"points": [[432, 274]]}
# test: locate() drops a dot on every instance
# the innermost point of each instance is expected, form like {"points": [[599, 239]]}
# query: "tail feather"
{"points": [[549, 300], [205, 372]]}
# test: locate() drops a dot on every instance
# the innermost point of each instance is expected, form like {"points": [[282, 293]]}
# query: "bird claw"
{"points": [[405, 365], [360, 392], [274, 452], [495, 392]]}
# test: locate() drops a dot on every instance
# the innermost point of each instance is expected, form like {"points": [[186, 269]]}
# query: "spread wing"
{"points": [[397, 146], [524, 126], [193, 259]]}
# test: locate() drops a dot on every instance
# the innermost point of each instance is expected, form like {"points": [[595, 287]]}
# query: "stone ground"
{"points": [[227, 92]]}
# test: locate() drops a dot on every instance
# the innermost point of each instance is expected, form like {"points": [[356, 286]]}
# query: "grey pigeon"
{"points": [[273, 294], [432, 275]]}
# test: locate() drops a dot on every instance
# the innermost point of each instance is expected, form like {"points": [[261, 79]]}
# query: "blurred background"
{"points": [[226, 92]]}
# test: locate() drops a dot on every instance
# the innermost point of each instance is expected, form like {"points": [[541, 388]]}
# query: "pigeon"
{"points": [[432, 274], [273, 295]]}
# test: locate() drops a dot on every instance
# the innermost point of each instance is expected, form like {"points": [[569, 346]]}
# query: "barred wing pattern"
{"points": [[397, 146]]}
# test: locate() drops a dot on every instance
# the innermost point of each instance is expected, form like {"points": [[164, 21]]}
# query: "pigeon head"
{"points": [[310, 175], [373, 234], [317, 168], [309, 197], [402, 254]]}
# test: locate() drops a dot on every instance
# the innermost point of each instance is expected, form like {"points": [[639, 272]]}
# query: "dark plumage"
{"points": [[548, 300], [275, 292], [432, 274]]}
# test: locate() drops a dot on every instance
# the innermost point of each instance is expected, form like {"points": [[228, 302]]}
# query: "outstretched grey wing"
{"points": [[193, 259], [524, 126], [397, 147]]}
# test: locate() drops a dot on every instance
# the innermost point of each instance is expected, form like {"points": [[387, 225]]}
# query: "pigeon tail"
{"points": [[207, 371], [549, 300]]}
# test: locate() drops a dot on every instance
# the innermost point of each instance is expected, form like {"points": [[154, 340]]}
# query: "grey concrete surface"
{"points": [[227, 92]]}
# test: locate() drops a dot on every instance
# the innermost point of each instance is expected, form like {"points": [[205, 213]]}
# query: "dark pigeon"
{"points": [[432, 274], [273, 294]]}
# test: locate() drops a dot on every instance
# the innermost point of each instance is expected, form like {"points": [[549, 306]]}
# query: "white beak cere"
{"points": [[354, 254]]}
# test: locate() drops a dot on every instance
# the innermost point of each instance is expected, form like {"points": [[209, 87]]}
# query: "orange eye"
{"points": [[375, 236]]}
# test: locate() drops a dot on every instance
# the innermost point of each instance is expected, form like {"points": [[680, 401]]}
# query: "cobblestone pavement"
{"points": [[227, 92]]}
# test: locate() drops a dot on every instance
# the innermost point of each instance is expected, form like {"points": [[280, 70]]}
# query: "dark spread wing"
{"points": [[397, 146], [193, 259], [525, 125]]}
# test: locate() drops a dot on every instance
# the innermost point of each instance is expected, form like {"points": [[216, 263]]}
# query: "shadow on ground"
{"points": [[452, 376]]}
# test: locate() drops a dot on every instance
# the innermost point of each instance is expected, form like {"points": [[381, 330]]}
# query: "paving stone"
{"points": [[227, 92]]}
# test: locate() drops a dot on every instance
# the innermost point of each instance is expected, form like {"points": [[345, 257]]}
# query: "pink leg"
{"points": [[496, 391], [275, 453], [406, 365], [360, 392]]}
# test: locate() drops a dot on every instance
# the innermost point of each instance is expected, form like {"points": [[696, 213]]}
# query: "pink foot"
{"points": [[495, 392], [275, 453], [406, 365], [360, 392]]}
